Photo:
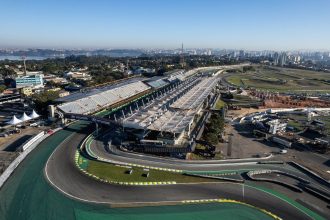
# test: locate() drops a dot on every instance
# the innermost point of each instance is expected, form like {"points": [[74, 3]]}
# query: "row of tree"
{"points": [[213, 129]]}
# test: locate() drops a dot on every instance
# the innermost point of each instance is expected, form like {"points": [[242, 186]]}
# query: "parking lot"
{"points": [[10, 144], [244, 145]]}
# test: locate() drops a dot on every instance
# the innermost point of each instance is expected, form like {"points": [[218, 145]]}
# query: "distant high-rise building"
{"points": [[183, 64], [241, 54], [282, 59], [276, 58]]}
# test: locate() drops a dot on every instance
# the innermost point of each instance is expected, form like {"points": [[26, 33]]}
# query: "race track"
{"points": [[61, 172]]}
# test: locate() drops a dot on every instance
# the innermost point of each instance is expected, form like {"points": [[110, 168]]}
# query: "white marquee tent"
{"points": [[24, 117], [14, 121], [34, 115]]}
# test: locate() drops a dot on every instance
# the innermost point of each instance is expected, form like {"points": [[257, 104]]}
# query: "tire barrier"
{"points": [[251, 175]]}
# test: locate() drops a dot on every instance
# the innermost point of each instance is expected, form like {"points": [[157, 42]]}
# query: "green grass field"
{"points": [[112, 172], [282, 79], [296, 125]]}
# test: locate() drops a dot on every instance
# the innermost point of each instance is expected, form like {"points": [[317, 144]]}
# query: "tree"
{"points": [[248, 68], [6, 72], [211, 138], [2, 88], [42, 100]]}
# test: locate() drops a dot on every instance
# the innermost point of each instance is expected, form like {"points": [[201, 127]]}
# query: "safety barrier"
{"points": [[255, 172], [217, 177], [26, 148], [251, 174], [317, 192], [271, 162], [29, 142], [311, 173]]}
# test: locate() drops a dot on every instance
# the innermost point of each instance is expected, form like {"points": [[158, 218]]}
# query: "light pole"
{"points": [[243, 191]]}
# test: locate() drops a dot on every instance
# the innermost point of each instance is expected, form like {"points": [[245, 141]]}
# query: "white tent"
{"points": [[25, 117], [14, 121], [34, 115]]}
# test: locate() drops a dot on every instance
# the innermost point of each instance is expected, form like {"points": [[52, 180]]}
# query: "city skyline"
{"points": [[253, 25]]}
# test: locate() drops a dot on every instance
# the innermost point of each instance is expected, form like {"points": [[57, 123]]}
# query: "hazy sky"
{"points": [[236, 24]]}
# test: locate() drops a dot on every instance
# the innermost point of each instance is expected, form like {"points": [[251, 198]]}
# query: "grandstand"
{"points": [[175, 75], [96, 102], [93, 91], [196, 96], [87, 102], [174, 111], [158, 106], [174, 122], [157, 82]]}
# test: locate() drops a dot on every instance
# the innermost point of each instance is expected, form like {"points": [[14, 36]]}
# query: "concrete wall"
{"points": [[28, 146]]}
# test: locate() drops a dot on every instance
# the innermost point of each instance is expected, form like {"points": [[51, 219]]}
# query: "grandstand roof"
{"points": [[157, 83], [173, 121], [156, 116], [94, 91], [196, 96], [92, 102], [154, 110]]}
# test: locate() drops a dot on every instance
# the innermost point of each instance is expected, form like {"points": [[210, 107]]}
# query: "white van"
{"points": [[283, 151]]}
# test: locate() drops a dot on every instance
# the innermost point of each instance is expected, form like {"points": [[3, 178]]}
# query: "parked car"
{"points": [[283, 151], [33, 125], [3, 135]]}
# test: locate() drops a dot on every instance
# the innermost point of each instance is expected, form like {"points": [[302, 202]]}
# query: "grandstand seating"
{"points": [[157, 83], [97, 101], [73, 107]]}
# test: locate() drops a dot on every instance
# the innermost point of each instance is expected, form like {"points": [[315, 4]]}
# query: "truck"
{"points": [[282, 141]]}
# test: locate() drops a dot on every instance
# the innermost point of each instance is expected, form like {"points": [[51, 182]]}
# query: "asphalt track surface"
{"points": [[99, 149], [61, 172]]}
